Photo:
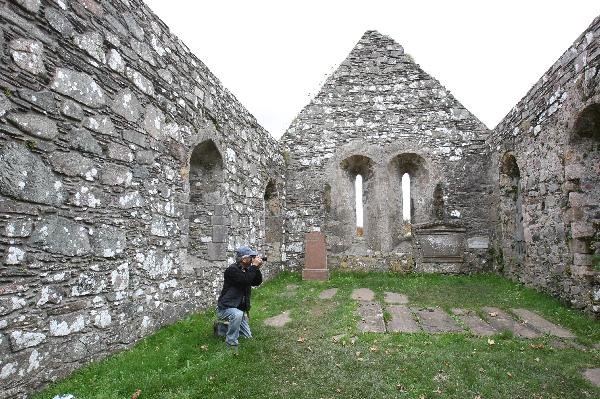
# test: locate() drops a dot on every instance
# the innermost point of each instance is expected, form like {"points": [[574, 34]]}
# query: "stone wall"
{"points": [[380, 116], [127, 176], [547, 168]]}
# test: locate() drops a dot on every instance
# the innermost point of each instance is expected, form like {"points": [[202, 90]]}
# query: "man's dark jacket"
{"points": [[237, 286]]}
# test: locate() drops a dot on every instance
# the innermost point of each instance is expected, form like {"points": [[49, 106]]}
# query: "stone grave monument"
{"points": [[315, 258]]}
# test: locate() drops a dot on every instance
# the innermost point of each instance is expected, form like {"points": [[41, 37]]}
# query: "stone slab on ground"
{"points": [[363, 294], [393, 297], [371, 317], [435, 320], [279, 320], [542, 325], [475, 324], [402, 320], [501, 321], [593, 376], [328, 293], [290, 290]]}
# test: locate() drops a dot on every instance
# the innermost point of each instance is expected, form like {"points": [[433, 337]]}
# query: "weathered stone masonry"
{"points": [[523, 200], [380, 116], [127, 176], [547, 170]]}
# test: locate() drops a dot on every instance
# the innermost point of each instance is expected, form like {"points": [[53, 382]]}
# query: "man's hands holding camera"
{"points": [[258, 261]]}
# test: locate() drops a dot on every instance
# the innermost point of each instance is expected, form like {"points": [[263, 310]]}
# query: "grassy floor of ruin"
{"points": [[321, 354]]}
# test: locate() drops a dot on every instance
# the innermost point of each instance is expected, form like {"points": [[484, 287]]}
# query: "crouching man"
{"points": [[234, 301]]}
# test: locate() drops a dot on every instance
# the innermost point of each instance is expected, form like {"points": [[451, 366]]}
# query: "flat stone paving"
{"points": [[393, 297], [363, 294], [501, 321], [593, 376], [541, 324], [290, 290], [402, 320], [406, 319], [279, 320], [371, 317], [328, 293], [475, 324], [435, 320]]}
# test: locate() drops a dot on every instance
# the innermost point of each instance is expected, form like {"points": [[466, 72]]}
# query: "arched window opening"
{"points": [[511, 211], [587, 124], [208, 219], [358, 194], [581, 171], [273, 223], [406, 198], [412, 199]]}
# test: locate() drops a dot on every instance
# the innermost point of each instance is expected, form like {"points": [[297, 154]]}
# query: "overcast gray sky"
{"points": [[274, 55]]}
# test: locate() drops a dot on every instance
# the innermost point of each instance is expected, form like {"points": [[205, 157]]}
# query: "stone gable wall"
{"points": [[100, 110], [558, 175], [379, 115]]}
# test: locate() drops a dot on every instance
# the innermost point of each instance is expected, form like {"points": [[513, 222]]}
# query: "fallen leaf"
{"points": [[509, 374], [300, 339], [493, 314], [534, 346], [136, 394], [491, 342], [337, 338], [400, 388], [204, 347], [537, 359], [338, 390], [373, 349]]}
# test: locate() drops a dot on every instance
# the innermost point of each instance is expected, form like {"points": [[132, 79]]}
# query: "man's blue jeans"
{"points": [[238, 324]]}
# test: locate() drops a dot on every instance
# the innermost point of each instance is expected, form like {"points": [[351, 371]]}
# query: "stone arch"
{"points": [[273, 223], [582, 182], [587, 123], [345, 200], [420, 201], [511, 214], [208, 223]]}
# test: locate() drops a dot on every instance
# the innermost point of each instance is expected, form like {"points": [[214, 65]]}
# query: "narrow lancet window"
{"points": [[406, 198], [358, 190]]}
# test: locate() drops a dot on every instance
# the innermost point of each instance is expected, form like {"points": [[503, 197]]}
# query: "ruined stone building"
{"points": [[128, 174]]}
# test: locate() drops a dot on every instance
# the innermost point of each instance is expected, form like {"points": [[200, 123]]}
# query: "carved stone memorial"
{"points": [[315, 258]]}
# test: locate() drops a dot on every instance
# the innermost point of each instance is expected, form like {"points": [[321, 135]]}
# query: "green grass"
{"points": [[184, 360]]}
